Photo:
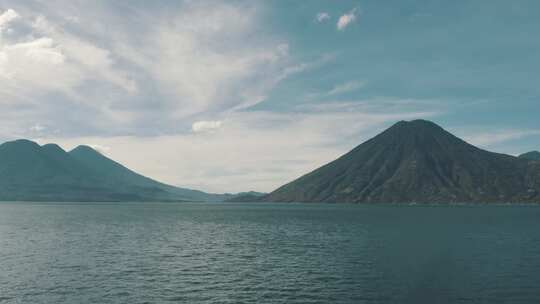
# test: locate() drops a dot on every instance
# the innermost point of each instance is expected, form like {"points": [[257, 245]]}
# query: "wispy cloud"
{"points": [[28, 59], [168, 66], [346, 19], [346, 87], [207, 59], [495, 137]]}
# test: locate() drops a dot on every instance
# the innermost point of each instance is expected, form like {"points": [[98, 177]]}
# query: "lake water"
{"points": [[268, 253]]}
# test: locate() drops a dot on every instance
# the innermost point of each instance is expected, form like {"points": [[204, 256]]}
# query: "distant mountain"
{"points": [[533, 155], [32, 172], [246, 197], [417, 162]]}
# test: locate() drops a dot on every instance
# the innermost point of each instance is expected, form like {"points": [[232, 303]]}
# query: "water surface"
{"points": [[268, 253]]}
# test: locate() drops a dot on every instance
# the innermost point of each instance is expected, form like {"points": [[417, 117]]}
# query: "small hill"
{"points": [[246, 197]]}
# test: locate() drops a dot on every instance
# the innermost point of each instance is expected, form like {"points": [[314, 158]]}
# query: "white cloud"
{"points": [[26, 69], [322, 16], [50, 60], [38, 51], [346, 19], [205, 126], [6, 17]]}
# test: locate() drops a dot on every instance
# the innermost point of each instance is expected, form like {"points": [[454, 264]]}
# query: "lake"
{"points": [[268, 253]]}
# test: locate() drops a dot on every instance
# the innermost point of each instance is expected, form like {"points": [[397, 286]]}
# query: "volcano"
{"points": [[417, 162]]}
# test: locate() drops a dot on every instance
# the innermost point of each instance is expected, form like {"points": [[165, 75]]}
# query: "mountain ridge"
{"points": [[32, 172]]}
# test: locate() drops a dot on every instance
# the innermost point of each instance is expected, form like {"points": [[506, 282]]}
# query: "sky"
{"points": [[230, 96]]}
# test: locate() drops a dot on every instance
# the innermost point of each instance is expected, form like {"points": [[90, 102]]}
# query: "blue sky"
{"points": [[247, 95]]}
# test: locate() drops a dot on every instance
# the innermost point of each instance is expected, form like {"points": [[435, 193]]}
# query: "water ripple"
{"points": [[241, 253]]}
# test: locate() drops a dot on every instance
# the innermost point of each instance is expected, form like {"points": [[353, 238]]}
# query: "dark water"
{"points": [[242, 253]]}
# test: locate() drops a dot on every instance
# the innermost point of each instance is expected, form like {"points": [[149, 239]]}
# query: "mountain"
{"points": [[533, 155], [246, 197], [32, 172], [417, 162], [117, 174]]}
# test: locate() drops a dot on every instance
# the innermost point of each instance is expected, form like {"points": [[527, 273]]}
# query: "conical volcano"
{"points": [[417, 162]]}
